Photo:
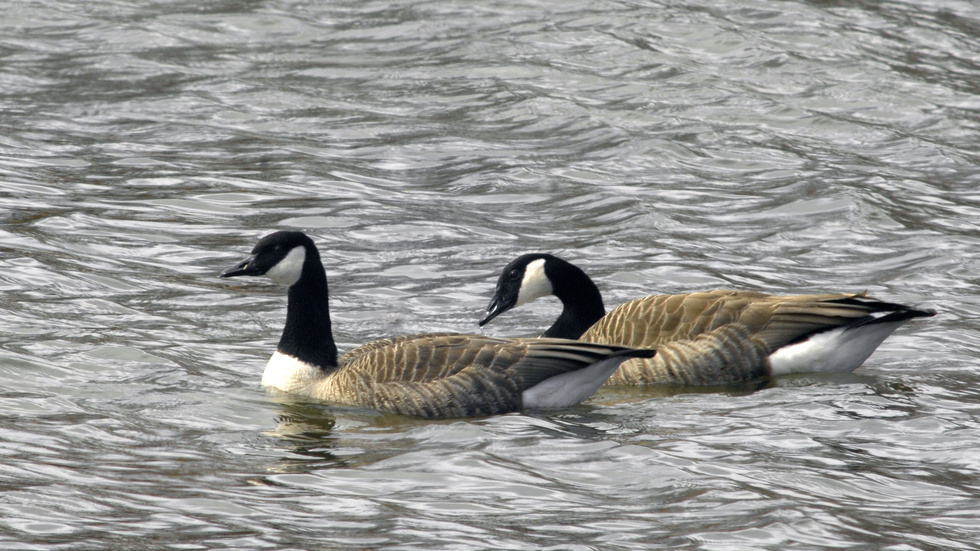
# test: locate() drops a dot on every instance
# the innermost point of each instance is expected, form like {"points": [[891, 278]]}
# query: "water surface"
{"points": [[781, 146]]}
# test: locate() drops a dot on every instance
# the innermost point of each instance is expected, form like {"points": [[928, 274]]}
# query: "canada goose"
{"points": [[706, 338], [429, 375]]}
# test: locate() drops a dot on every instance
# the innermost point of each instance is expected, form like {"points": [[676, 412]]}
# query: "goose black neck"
{"points": [[307, 335], [580, 298]]}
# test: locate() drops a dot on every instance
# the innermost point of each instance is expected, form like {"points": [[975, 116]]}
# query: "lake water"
{"points": [[780, 146]]}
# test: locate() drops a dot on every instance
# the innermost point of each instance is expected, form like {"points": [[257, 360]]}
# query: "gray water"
{"points": [[781, 146]]}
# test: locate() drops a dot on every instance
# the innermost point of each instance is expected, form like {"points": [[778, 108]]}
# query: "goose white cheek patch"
{"points": [[288, 270], [535, 284]]}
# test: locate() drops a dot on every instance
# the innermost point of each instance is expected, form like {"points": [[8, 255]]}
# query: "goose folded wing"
{"points": [[796, 318], [656, 319]]}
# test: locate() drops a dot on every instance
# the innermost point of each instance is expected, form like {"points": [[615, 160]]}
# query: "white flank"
{"points": [[570, 388], [288, 373], [288, 270], [535, 283], [838, 350]]}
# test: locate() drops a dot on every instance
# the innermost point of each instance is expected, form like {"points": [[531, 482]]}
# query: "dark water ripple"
{"points": [[783, 146]]}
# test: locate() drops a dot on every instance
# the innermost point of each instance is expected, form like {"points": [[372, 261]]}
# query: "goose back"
{"points": [[725, 337], [452, 375]]}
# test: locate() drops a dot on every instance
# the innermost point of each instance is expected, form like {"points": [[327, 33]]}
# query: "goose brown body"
{"points": [[719, 337], [451, 375]]}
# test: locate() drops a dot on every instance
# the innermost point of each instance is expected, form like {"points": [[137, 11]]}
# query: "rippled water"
{"points": [[783, 146]]}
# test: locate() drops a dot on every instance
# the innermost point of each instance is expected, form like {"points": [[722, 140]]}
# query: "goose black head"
{"points": [[291, 258], [280, 256], [524, 279]]}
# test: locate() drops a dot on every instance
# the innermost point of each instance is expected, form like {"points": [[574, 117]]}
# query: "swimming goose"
{"points": [[428, 375], [706, 338]]}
